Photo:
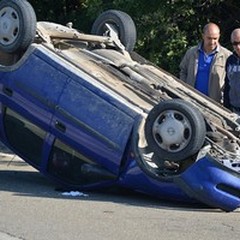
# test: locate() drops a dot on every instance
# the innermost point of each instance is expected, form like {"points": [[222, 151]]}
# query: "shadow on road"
{"points": [[20, 179]]}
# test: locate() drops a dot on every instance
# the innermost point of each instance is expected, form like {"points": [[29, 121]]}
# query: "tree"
{"points": [[166, 28]]}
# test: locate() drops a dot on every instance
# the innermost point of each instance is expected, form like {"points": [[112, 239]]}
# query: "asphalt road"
{"points": [[32, 209]]}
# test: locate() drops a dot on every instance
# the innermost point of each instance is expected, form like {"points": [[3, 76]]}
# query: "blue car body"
{"points": [[83, 132]]}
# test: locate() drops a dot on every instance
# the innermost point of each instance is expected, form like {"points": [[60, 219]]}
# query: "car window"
{"points": [[24, 136], [71, 166]]}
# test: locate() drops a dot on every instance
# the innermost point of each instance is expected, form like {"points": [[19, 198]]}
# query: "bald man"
{"points": [[203, 66], [232, 79]]}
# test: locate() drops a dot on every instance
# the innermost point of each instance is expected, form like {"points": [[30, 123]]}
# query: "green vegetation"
{"points": [[165, 28]]}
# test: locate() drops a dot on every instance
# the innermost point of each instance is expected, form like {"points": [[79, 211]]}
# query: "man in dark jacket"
{"points": [[231, 98]]}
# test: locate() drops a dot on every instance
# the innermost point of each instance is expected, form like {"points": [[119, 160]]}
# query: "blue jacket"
{"points": [[231, 95]]}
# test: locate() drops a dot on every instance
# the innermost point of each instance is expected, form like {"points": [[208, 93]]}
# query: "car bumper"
{"points": [[206, 181], [211, 183]]}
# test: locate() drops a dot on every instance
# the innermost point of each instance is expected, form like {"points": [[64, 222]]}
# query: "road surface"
{"points": [[33, 208]]}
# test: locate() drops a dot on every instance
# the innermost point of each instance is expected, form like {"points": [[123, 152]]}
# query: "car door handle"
{"points": [[8, 91], [60, 126]]}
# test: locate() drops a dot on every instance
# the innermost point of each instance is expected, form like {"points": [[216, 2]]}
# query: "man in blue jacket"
{"points": [[231, 98], [203, 66]]}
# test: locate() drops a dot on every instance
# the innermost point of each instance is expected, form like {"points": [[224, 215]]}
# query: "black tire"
{"points": [[122, 22], [17, 25], [175, 130]]}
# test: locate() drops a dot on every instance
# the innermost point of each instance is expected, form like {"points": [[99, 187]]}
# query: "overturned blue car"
{"points": [[89, 113]]}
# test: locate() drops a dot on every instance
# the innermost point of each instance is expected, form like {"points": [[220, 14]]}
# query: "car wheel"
{"points": [[17, 25], [121, 22], [174, 130]]}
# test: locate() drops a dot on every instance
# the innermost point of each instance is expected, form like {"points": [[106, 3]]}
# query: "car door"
{"points": [[29, 93], [93, 121]]}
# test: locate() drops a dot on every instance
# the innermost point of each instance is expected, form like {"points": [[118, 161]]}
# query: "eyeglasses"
{"points": [[235, 43]]}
